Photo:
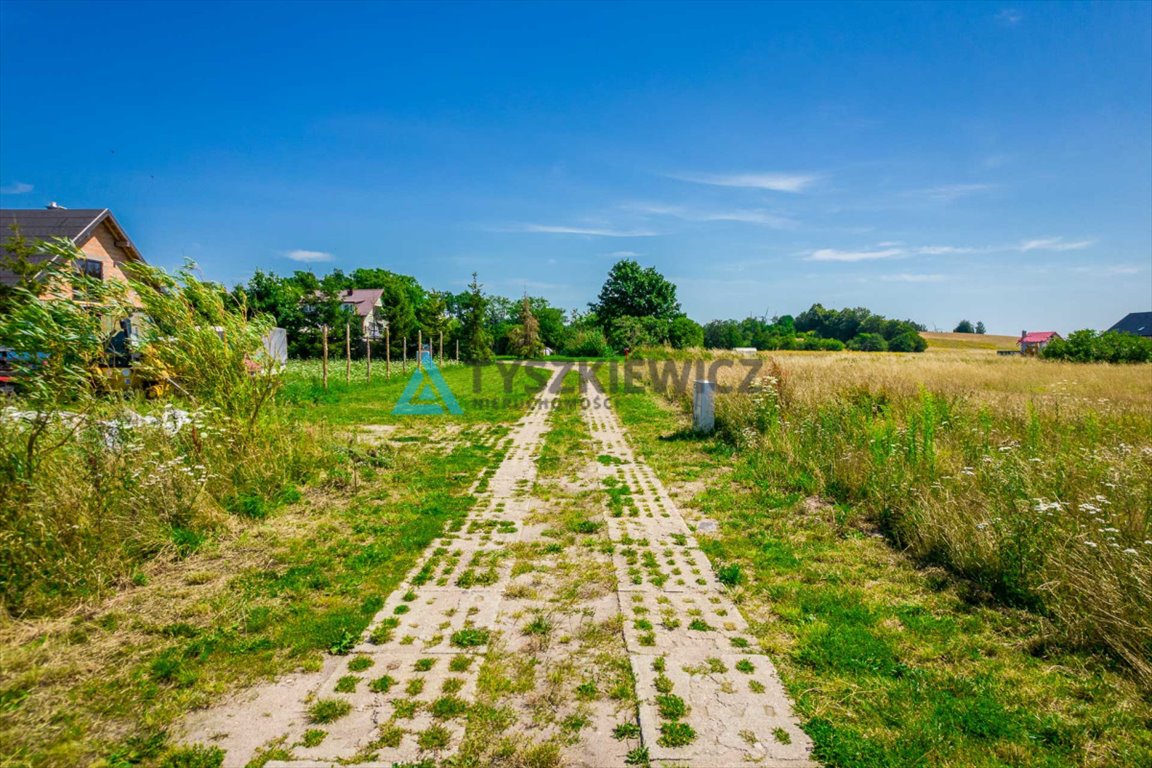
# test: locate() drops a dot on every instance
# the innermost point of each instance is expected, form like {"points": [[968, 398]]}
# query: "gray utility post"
{"points": [[704, 406]]}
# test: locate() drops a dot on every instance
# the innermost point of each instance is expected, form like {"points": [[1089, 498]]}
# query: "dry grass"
{"points": [[1004, 382], [1029, 478], [967, 341]]}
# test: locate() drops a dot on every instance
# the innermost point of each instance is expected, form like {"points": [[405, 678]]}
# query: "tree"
{"points": [[635, 291], [908, 342], [525, 341], [476, 342], [630, 332], [685, 333], [980, 327], [868, 342], [433, 315], [724, 334], [964, 327]]}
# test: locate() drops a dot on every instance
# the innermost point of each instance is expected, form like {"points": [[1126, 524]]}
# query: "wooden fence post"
{"points": [[457, 350], [325, 364], [388, 353], [420, 349], [441, 349], [347, 353], [404, 367], [368, 341]]}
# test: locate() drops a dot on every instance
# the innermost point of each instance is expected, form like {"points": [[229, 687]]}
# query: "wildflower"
{"points": [[1091, 544], [1129, 551]]}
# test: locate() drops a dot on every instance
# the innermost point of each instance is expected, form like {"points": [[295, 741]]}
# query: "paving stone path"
{"points": [[684, 636], [477, 593]]}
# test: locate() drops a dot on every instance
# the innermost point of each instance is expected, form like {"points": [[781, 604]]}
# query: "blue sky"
{"points": [[933, 161]]}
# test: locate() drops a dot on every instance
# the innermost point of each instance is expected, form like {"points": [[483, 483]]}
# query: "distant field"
{"points": [[969, 341]]}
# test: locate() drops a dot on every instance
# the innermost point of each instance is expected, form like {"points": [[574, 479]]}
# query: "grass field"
{"points": [[968, 341], [1011, 623]]}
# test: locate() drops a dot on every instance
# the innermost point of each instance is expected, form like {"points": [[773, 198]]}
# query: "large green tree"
{"points": [[635, 291]]}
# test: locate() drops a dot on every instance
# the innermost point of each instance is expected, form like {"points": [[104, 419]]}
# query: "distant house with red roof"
{"points": [[1032, 343]]}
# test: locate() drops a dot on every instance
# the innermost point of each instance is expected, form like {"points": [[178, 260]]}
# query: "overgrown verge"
{"points": [[96, 478], [1040, 504], [889, 664]]}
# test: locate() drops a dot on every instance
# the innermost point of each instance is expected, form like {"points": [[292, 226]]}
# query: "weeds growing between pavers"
{"points": [[263, 598], [889, 665]]}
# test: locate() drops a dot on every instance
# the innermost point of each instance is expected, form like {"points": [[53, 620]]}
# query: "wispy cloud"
{"points": [[554, 229], [1112, 270], [893, 249], [1053, 244], [905, 277], [833, 254], [947, 250], [623, 254], [776, 182], [1010, 16], [309, 257], [15, 188], [948, 192], [744, 215]]}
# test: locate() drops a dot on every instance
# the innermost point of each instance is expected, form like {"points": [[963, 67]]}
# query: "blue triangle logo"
{"points": [[427, 394]]}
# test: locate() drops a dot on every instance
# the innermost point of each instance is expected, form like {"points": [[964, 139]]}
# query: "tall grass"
{"points": [[1031, 480], [97, 478]]}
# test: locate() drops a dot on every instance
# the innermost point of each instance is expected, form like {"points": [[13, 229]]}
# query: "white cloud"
{"points": [[309, 257], [905, 277], [943, 250], [777, 182], [623, 254], [832, 254], [892, 249], [1114, 269], [1053, 244], [1010, 17], [565, 230], [744, 215], [15, 188], [949, 192]]}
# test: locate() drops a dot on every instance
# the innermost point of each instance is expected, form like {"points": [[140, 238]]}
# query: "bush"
{"points": [[908, 342], [1087, 346], [868, 342], [589, 342]]}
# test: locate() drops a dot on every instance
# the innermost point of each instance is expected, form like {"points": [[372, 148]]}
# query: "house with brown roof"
{"points": [[1032, 343], [368, 306], [105, 247]]}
